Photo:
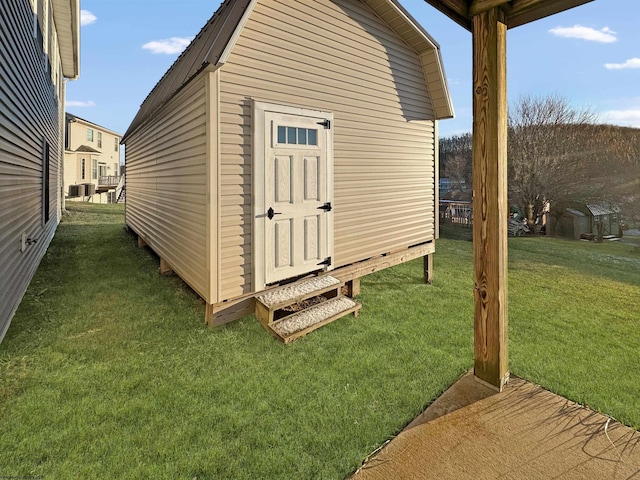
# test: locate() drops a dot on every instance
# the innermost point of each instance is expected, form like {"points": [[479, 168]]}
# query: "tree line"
{"points": [[558, 154]]}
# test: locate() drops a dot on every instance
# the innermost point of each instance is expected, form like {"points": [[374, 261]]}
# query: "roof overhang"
{"points": [[517, 12], [66, 15]]}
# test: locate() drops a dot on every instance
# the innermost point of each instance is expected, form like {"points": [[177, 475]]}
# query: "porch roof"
{"points": [[516, 12]]}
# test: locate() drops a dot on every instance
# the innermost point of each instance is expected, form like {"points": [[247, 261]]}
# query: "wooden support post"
{"points": [[353, 287], [141, 242], [165, 268], [222, 313], [428, 268], [490, 210], [208, 314]]}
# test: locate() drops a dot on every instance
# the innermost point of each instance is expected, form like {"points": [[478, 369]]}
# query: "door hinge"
{"points": [[326, 262], [326, 124], [326, 207]]}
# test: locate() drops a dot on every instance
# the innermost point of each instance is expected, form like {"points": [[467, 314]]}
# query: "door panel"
{"points": [[296, 186], [283, 247], [311, 185], [311, 238], [282, 174]]}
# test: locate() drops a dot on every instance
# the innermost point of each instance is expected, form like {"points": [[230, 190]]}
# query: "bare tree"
{"points": [[558, 154], [555, 153], [455, 158]]}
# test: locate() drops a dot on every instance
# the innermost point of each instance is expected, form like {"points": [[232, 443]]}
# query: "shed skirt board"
{"points": [[292, 211]]}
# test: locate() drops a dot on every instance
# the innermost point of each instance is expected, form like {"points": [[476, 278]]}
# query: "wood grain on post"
{"points": [[490, 209]]}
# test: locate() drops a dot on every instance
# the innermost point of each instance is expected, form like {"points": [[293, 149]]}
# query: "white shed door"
{"points": [[297, 227]]}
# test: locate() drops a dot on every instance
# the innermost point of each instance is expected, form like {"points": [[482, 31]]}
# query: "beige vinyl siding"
{"points": [[166, 179], [334, 56], [29, 116], [430, 57]]}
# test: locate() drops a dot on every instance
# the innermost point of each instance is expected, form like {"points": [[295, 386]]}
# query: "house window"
{"points": [[94, 169], [83, 168], [115, 144], [103, 169], [89, 134], [52, 44], [99, 139], [42, 30], [297, 136], [46, 186]]}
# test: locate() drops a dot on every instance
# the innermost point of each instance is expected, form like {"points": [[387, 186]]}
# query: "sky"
{"points": [[589, 55]]}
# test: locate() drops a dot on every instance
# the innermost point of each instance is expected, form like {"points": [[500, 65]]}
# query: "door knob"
{"points": [[271, 213]]}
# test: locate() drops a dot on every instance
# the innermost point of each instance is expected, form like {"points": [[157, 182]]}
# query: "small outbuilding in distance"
{"points": [[289, 140]]}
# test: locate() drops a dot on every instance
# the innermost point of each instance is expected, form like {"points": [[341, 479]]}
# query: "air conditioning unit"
{"points": [[76, 191], [90, 189]]}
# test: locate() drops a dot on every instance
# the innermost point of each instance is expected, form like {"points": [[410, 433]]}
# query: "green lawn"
{"points": [[107, 370]]}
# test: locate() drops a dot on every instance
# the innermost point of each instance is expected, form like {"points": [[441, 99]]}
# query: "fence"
{"points": [[458, 213], [109, 181]]}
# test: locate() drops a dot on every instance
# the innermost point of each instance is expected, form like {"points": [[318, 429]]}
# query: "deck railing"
{"points": [[459, 213], [109, 181]]}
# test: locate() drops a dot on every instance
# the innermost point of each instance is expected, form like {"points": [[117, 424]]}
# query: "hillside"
{"points": [[583, 162]]}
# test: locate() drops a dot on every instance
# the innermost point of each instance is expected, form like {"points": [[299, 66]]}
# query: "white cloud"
{"points": [[629, 118], [87, 18], [606, 35], [168, 46], [77, 103], [631, 63]]}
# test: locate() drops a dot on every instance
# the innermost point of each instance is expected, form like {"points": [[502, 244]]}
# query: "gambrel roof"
{"points": [[213, 45]]}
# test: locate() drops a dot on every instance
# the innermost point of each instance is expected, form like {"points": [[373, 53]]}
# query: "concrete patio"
{"points": [[525, 432]]}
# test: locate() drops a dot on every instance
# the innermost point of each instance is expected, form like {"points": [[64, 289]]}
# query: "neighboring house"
{"points": [[40, 48], [91, 162], [289, 138], [591, 219]]}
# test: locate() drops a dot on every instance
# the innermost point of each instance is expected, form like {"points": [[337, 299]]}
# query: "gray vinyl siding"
{"points": [[166, 161], [334, 56], [30, 115]]}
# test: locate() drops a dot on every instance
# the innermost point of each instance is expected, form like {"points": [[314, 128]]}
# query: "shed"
{"points": [[573, 224], [289, 139], [596, 219], [605, 219]]}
